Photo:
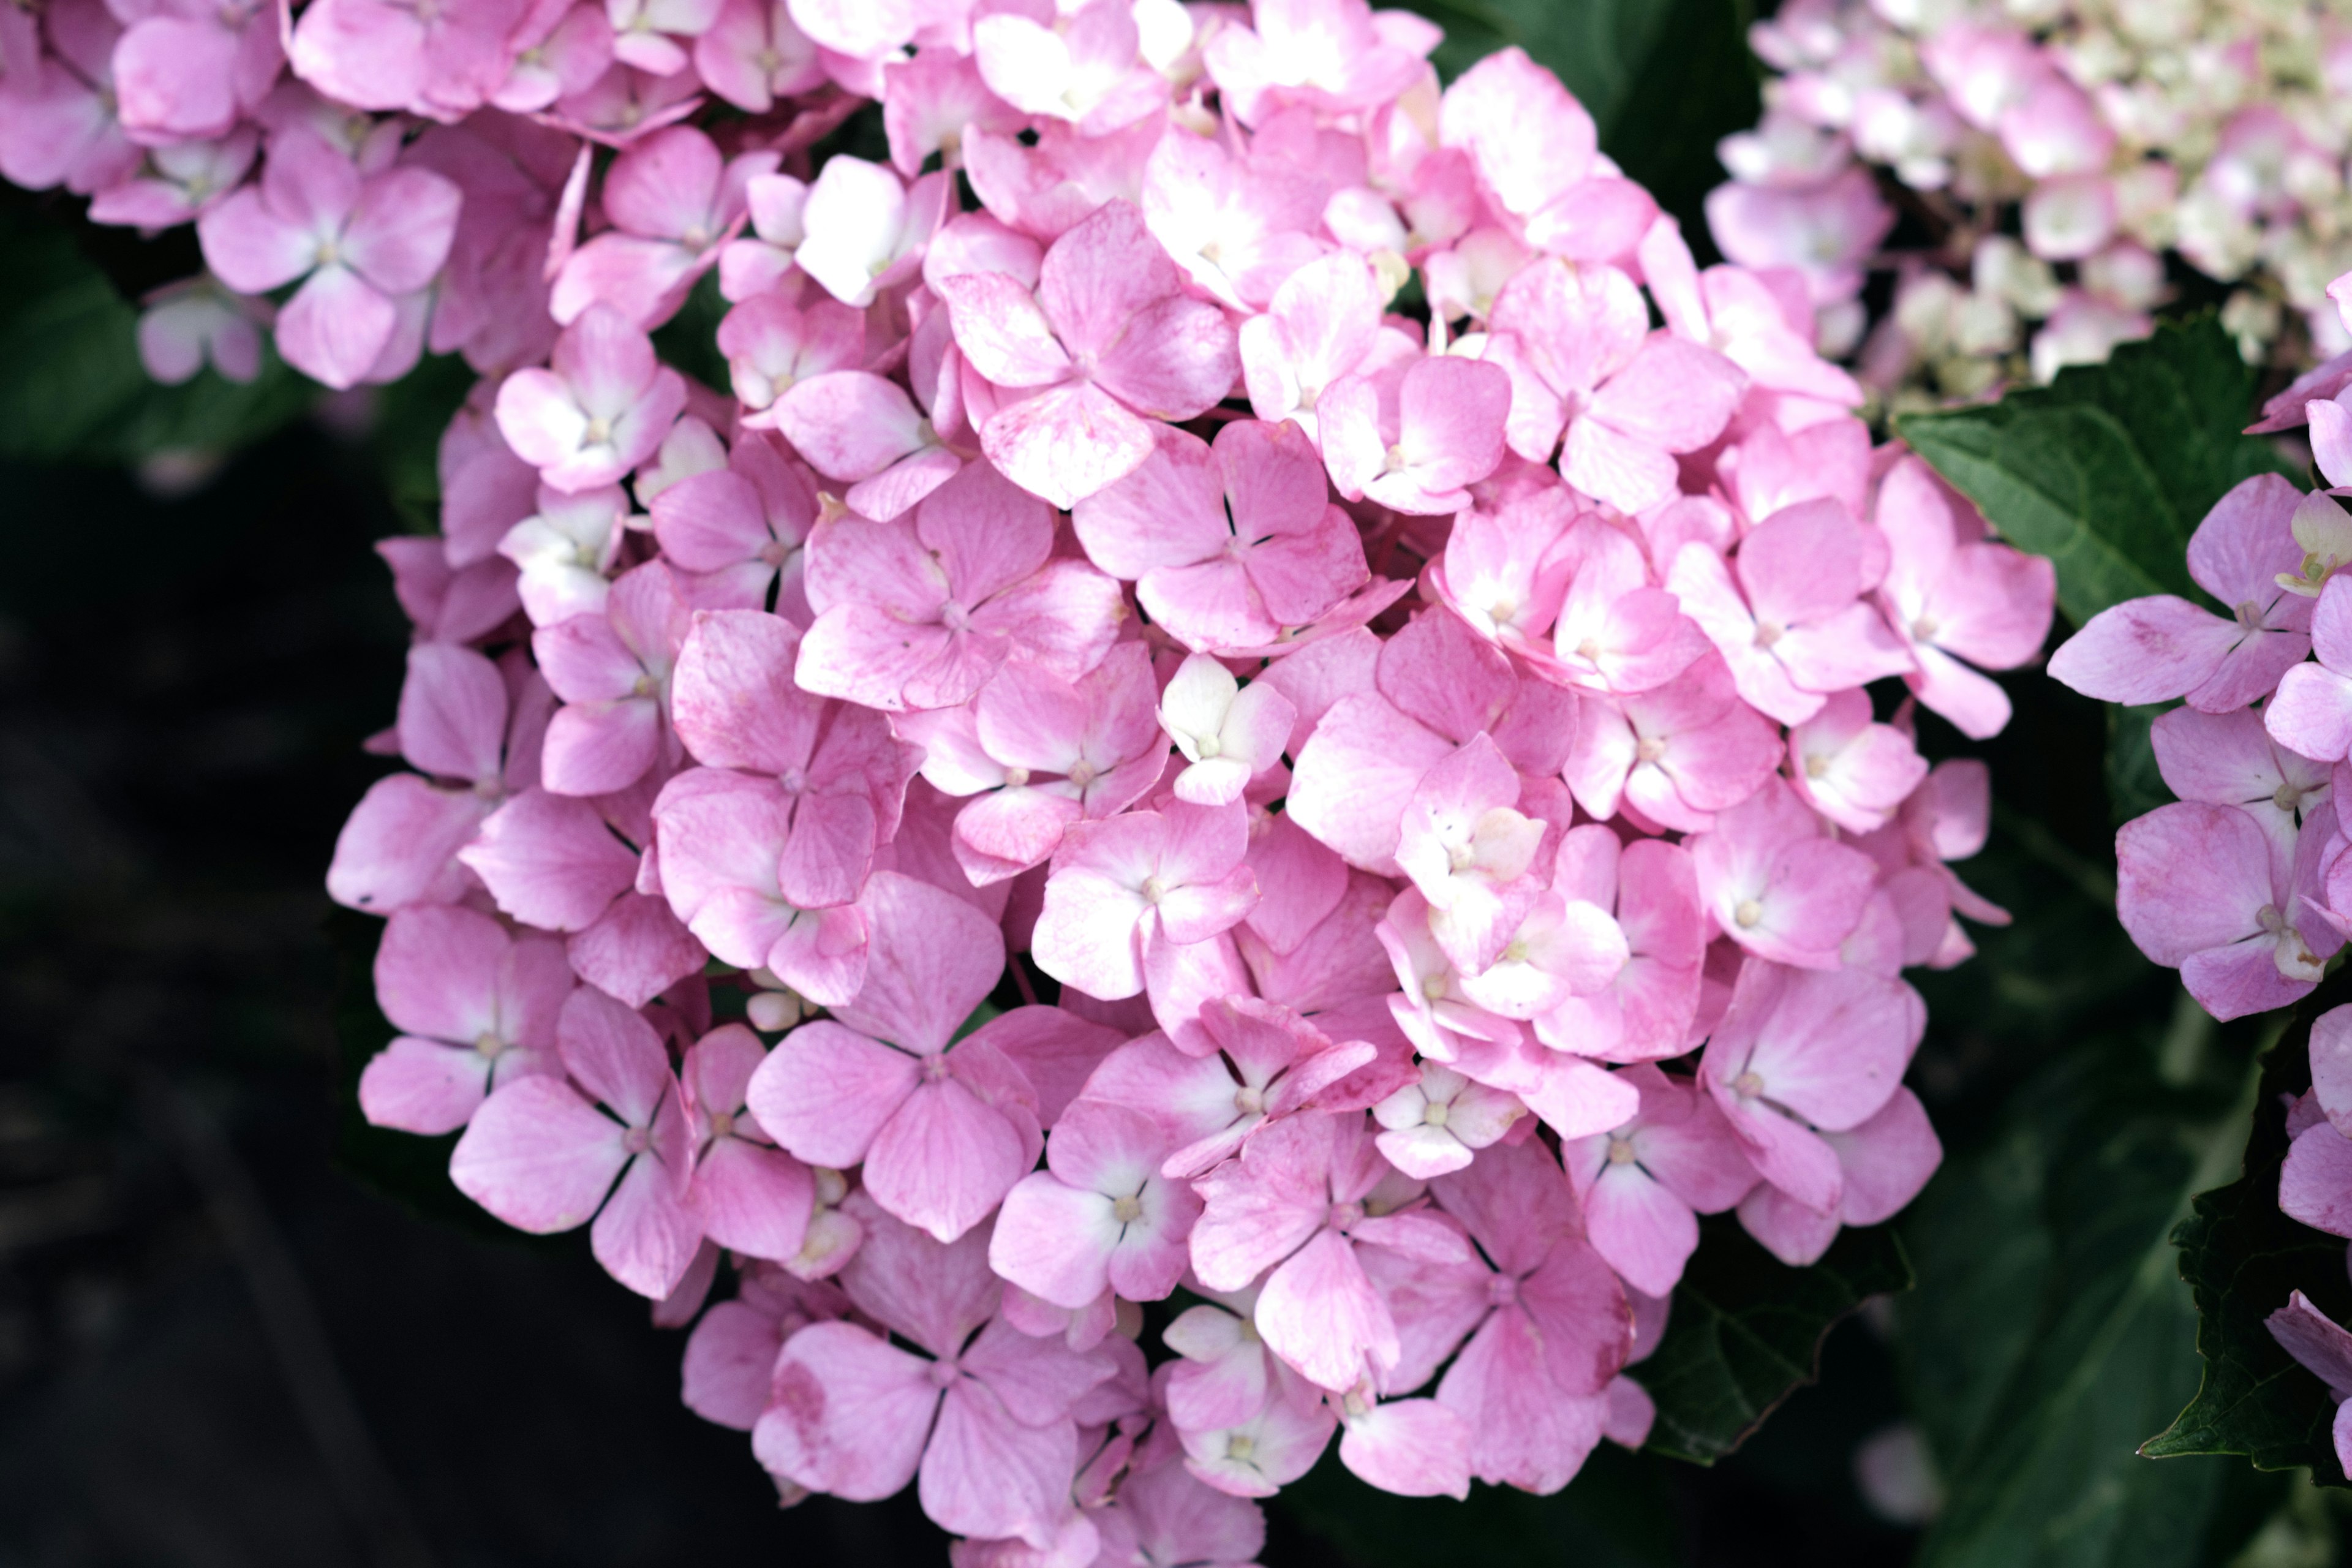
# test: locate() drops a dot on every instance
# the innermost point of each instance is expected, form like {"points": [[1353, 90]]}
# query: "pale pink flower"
{"points": [[1101, 1216], [601, 409], [542, 1156], [1643, 1182], [475, 1009]]}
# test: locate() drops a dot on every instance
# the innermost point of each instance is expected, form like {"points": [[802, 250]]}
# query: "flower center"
{"points": [[1434, 987], [1767, 634], [1346, 1214], [1650, 749], [1434, 1113], [1923, 629], [1208, 746], [722, 1125], [1151, 890], [935, 1068], [599, 431], [1620, 1151], [489, 1044], [2288, 798], [1241, 1446], [636, 1139], [1127, 1210], [1083, 773], [1502, 1290], [1747, 913], [1249, 1100], [1748, 1086], [942, 1373], [1015, 778]]}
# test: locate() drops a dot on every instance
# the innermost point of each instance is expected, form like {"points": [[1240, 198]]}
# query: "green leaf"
{"points": [[2049, 1329], [1746, 1332], [2242, 1256], [2134, 786], [2110, 468], [71, 385], [1665, 81]]}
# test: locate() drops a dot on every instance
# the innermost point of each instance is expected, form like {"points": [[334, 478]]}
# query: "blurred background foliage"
{"points": [[220, 1344]]}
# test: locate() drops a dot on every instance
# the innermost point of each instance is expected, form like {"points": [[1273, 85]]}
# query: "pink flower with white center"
{"points": [[600, 409], [177, 184], [1796, 626], [646, 33], [1801, 1053], [2200, 889], [1857, 773], [1504, 571], [1101, 1216], [920, 612], [2231, 759], [1535, 151], [1882, 1165], [1258, 1455], [1080, 66], [1107, 344], [834, 769], [360, 242], [1437, 683], [1240, 224], [740, 532], [1769, 470], [543, 1157], [1643, 1183], [1954, 596], [1263, 1062], [1294, 1203], [392, 55], [475, 1009], [754, 266], [2324, 1350], [1229, 733], [1946, 818], [1583, 362], [1034, 753], [2311, 713], [188, 72], [1776, 884], [563, 551], [1677, 755], [1323, 323], [728, 1356], [864, 230], [1165, 1514], [1124, 889], [1333, 56], [1441, 1122], [747, 1194], [772, 347], [1469, 852], [1547, 1323], [1651, 888], [461, 722], [1617, 632], [612, 671], [2163, 647], [1413, 447], [1432, 1008], [982, 1414], [1410, 1448], [186, 325], [864, 431], [1225, 1375], [752, 55], [943, 1132], [1229, 545], [1733, 311], [673, 202], [1824, 232], [1561, 948]]}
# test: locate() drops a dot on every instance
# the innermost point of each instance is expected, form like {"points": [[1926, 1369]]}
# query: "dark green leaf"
{"points": [[2049, 1329], [1664, 79], [1746, 1332], [2135, 787], [1617, 1514], [2242, 1256], [71, 385], [2109, 470]]}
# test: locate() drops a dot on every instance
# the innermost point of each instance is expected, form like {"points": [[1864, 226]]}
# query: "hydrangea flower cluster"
{"points": [[1233, 718], [2244, 884], [2055, 153]]}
